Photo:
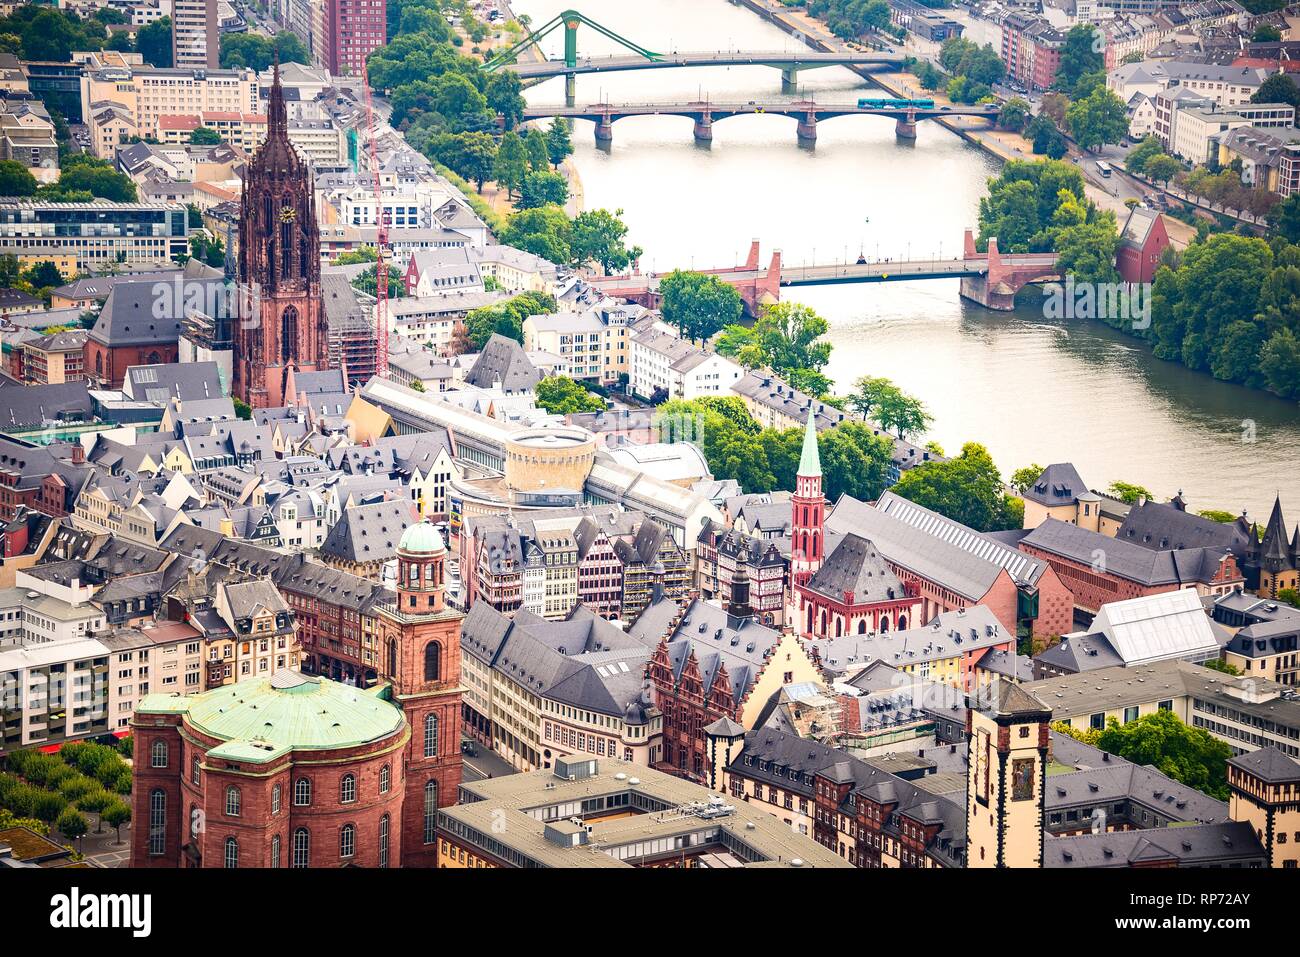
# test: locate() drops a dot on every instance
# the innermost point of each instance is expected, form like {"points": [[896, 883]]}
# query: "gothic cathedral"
{"points": [[282, 322]]}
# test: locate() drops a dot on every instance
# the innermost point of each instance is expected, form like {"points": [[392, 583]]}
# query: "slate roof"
{"points": [[1124, 559], [1160, 525], [1191, 846], [369, 533], [934, 547], [1269, 764], [856, 569], [716, 639], [130, 315], [503, 363], [1121, 780], [35, 406], [1059, 484]]}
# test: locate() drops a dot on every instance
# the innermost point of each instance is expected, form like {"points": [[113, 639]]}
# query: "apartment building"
{"points": [[94, 233], [159, 657], [196, 31], [144, 94], [664, 364], [596, 343]]}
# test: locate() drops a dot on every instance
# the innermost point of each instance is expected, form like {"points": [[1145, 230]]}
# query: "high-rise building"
{"points": [[351, 28], [196, 32], [283, 323]]}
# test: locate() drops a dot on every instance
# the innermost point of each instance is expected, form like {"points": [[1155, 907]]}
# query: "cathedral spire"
{"points": [[810, 462], [277, 116]]}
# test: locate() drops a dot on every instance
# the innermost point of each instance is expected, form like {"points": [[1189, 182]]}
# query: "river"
{"points": [[1031, 389]]}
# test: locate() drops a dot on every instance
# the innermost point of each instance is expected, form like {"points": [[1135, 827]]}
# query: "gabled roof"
{"points": [[369, 533], [1059, 484]]}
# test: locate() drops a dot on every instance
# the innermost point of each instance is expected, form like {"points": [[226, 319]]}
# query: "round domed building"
{"points": [[286, 771], [299, 771]]}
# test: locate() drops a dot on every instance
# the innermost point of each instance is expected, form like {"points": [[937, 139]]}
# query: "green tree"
{"points": [[154, 43], [544, 231], [1023, 479], [1127, 492], [558, 143], [72, 825], [1278, 88], [505, 97], [511, 164], [1138, 155], [1279, 364], [204, 136], [787, 338], [471, 155], [543, 188], [1014, 114], [1218, 664], [855, 461], [1082, 53], [1100, 118], [16, 179], [599, 236], [1286, 218], [698, 304], [535, 144], [1162, 168], [878, 398], [115, 815], [1186, 754], [560, 395], [1289, 596], [966, 488], [1265, 33]]}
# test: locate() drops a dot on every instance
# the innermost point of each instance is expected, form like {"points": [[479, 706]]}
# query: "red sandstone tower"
{"points": [[809, 511], [420, 643], [282, 322]]}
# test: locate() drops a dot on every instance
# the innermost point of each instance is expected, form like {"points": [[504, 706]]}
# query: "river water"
{"points": [[1030, 388]]}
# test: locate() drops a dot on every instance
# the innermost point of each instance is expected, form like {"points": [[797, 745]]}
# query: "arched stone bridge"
{"points": [[806, 112]]}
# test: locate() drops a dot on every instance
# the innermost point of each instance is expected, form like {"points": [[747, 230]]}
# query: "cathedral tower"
{"points": [[282, 323]]}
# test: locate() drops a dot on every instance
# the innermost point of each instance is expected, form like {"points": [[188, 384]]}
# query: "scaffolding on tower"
{"points": [[381, 238]]}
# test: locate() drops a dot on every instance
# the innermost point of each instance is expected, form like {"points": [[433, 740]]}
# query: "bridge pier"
{"points": [[604, 130], [807, 129], [789, 80], [570, 89], [704, 128], [905, 129], [979, 290]]}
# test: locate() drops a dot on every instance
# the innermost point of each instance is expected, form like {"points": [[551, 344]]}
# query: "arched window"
{"points": [[347, 841], [157, 821], [862, 627], [194, 770], [884, 624], [233, 800], [232, 853], [275, 851], [392, 659], [288, 333], [839, 626], [430, 735], [275, 799], [302, 792], [384, 779], [432, 661], [810, 619], [383, 841], [348, 789], [158, 755], [196, 820], [822, 630], [430, 810], [301, 847], [902, 622]]}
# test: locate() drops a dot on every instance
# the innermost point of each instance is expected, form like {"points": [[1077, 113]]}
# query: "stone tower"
{"points": [[420, 648], [282, 323], [1006, 778], [808, 505]]}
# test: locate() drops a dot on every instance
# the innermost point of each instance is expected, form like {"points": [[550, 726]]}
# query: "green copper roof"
{"points": [[810, 462], [261, 718], [422, 538]]}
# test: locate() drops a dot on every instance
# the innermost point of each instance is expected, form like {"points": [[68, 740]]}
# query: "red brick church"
{"points": [[294, 770], [283, 325]]}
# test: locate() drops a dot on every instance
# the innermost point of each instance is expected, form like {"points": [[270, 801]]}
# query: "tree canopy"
{"points": [[698, 304], [967, 489]]}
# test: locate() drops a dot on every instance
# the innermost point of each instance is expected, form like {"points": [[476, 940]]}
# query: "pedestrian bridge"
{"points": [[807, 113], [991, 278]]}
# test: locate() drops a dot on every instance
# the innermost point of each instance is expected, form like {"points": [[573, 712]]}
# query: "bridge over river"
{"points": [[990, 278], [806, 112]]}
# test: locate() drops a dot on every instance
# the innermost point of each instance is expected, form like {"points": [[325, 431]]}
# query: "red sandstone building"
{"points": [[1141, 243], [299, 771]]}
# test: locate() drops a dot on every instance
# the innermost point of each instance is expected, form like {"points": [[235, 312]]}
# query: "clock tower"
{"points": [[282, 321]]}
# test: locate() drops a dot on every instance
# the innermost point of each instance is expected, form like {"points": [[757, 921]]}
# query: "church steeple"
{"points": [[808, 513]]}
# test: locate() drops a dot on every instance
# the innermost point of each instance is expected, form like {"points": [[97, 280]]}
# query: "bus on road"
{"points": [[1103, 168]]}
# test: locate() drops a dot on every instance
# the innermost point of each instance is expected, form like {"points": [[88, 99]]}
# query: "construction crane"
{"points": [[381, 239]]}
